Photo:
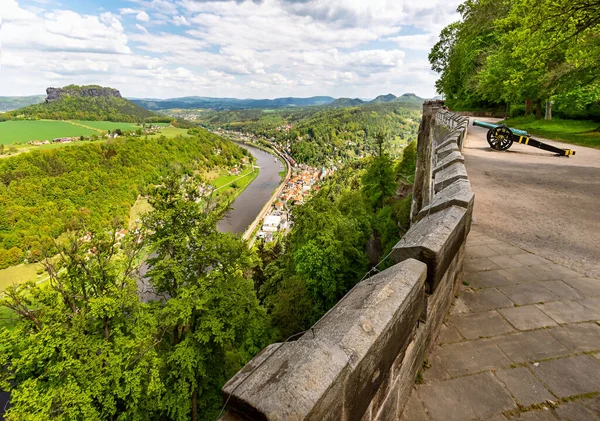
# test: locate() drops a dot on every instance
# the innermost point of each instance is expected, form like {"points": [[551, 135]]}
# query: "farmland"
{"points": [[23, 131]]}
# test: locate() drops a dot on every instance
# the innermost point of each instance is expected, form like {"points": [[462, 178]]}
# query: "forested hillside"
{"points": [[86, 108], [45, 193], [85, 345], [319, 135], [9, 103], [526, 53]]}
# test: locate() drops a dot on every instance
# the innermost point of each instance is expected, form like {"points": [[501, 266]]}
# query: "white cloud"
{"points": [[143, 17], [261, 48], [128, 11], [180, 21]]}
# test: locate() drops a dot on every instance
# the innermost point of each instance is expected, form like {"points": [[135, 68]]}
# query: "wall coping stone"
{"points": [[353, 345]]}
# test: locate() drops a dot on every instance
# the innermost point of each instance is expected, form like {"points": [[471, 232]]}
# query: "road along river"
{"points": [[249, 203]]}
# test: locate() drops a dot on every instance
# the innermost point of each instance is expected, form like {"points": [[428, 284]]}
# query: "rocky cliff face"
{"points": [[80, 91]]}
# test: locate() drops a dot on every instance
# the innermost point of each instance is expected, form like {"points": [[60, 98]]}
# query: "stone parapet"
{"points": [[360, 360]]}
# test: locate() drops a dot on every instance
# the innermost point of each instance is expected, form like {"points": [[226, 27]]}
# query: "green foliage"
{"points": [[86, 347], [45, 193], [510, 51], [338, 235], [581, 132], [212, 319], [83, 344], [405, 170], [327, 135], [379, 181]]}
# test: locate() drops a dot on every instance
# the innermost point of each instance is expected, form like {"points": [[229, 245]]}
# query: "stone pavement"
{"points": [[521, 342]]}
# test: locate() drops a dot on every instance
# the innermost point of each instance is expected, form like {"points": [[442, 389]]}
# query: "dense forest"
{"points": [[540, 54], [103, 108], [87, 348], [326, 135], [45, 193]]}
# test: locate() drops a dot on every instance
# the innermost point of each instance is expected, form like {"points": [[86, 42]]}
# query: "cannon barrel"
{"points": [[493, 126]]}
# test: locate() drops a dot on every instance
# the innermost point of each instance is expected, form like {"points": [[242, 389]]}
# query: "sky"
{"points": [[222, 48]]}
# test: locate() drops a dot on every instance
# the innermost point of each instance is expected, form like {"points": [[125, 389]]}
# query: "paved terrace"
{"points": [[522, 341]]}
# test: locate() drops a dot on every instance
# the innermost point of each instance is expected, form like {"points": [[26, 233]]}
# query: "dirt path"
{"points": [[532, 199]]}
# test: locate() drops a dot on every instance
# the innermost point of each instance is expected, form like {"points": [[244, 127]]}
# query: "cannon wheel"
{"points": [[500, 138]]}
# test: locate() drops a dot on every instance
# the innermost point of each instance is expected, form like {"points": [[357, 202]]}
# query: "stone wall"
{"points": [[360, 361]]}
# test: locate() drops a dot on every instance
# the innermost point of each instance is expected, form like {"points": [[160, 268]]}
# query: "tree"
{"points": [[209, 309], [83, 346], [379, 180]]}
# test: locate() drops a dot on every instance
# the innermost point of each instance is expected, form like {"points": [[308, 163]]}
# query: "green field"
{"points": [[577, 132], [18, 274], [23, 131], [111, 125]]}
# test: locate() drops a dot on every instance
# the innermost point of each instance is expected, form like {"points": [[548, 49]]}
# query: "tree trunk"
{"points": [[195, 404], [507, 112], [548, 110], [528, 107], [538, 109]]}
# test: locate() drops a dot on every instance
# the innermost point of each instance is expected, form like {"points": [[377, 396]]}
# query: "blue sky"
{"points": [[234, 48]]}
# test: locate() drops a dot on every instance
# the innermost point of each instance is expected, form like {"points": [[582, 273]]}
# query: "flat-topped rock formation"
{"points": [[53, 94]]}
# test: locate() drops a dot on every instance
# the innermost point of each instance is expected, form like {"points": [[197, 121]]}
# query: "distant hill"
{"points": [[229, 103], [9, 103], [347, 102], [384, 98], [85, 103], [410, 98]]}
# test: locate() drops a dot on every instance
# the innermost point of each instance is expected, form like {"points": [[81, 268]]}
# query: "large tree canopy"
{"points": [[511, 51]]}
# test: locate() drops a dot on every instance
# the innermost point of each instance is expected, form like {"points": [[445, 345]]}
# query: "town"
{"points": [[301, 181]]}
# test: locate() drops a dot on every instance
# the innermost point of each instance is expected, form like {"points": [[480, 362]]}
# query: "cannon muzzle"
{"points": [[493, 126]]}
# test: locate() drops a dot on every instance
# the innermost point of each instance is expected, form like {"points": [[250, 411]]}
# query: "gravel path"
{"points": [[534, 200]]}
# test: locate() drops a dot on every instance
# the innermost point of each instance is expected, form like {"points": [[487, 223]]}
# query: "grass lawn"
{"points": [[173, 132], [20, 273], [139, 208], [577, 132], [106, 125], [23, 131]]}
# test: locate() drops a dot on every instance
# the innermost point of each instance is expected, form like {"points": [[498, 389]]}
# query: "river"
{"points": [[249, 203]]}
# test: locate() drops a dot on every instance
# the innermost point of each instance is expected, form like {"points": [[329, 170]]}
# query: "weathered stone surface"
{"points": [[471, 357], [480, 264], [486, 299], [531, 346], [526, 318], [589, 287], [488, 279], [447, 150], [524, 386], [444, 178], [341, 368], [568, 312], [434, 240], [530, 293], [458, 194], [570, 376], [482, 325], [575, 411], [581, 337], [454, 157], [465, 398], [452, 139]]}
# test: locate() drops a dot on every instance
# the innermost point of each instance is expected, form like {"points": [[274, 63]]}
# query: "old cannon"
{"points": [[501, 137]]}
